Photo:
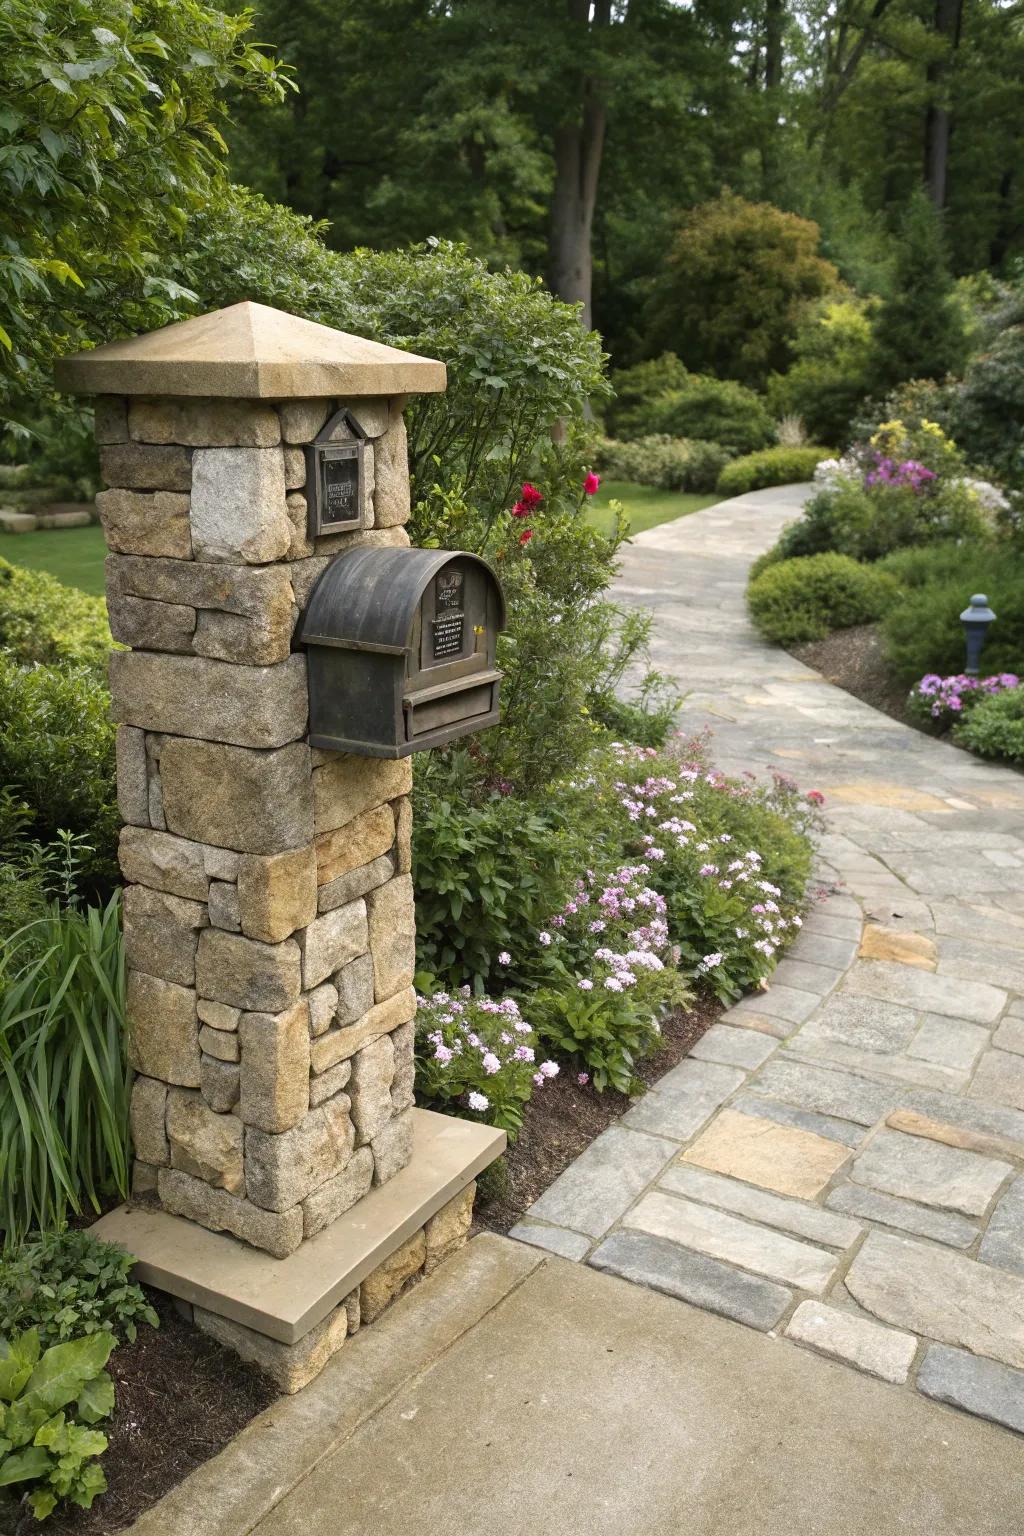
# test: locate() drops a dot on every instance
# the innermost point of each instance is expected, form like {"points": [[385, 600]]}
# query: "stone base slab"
{"points": [[284, 1299]]}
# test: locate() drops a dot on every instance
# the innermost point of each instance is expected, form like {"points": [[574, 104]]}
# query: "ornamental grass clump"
{"points": [[478, 1057]]}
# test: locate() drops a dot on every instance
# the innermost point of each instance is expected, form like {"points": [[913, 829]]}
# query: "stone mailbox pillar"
{"points": [[268, 905]]}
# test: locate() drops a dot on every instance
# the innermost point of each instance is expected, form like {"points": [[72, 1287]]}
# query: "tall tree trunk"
{"points": [[774, 21], [579, 145], [938, 122]]}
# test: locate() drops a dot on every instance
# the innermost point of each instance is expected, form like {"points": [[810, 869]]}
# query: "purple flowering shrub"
{"points": [[476, 1055], [945, 700]]}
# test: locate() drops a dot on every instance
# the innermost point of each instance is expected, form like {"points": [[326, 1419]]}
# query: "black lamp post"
{"points": [[976, 619]]}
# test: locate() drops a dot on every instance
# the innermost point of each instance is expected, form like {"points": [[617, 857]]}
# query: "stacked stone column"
{"points": [[268, 907]]}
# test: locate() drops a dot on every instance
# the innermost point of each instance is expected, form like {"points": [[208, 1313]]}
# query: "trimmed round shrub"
{"points": [[670, 463], [995, 727], [43, 620], [807, 598], [771, 466], [717, 410]]}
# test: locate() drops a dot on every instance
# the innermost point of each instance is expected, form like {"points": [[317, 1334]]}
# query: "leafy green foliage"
{"points": [[987, 408], [605, 1033], [57, 755], [716, 410], [671, 463], [43, 620], [637, 391], [805, 598], [923, 632], [866, 522], [833, 369], [475, 1057], [63, 1068], [918, 331], [46, 1453], [738, 277], [67, 1284], [994, 727], [108, 135], [772, 466]]}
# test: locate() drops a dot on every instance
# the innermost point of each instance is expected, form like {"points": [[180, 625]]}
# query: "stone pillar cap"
{"points": [[249, 352]]}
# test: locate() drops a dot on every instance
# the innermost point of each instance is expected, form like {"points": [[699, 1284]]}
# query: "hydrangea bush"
{"points": [[476, 1055]]}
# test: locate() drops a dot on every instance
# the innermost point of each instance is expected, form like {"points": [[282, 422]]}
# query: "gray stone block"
{"points": [[733, 1047], [558, 1240], [1003, 1243], [828, 1092], [603, 1182], [942, 1226], [828, 1126], [983, 1387], [703, 1282], [684, 1099], [915, 1168]]}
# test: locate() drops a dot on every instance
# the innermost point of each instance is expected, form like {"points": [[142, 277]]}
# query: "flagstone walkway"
{"points": [[840, 1159]]}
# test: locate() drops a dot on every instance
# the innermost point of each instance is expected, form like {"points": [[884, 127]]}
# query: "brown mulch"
{"points": [[854, 660], [180, 1399], [563, 1119]]}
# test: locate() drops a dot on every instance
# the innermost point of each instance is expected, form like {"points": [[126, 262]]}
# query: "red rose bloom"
{"points": [[520, 509], [531, 496], [591, 484], [526, 536]]}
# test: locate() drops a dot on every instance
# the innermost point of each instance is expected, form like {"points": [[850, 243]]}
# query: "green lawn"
{"points": [[74, 555], [646, 505]]}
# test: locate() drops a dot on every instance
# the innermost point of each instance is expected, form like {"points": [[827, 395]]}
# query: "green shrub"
{"points": [[807, 598], [671, 463], [476, 1058], [43, 620], [637, 390], [44, 1448], [57, 756], [922, 631], [987, 409], [848, 517], [995, 727], [833, 370], [68, 1284], [772, 466], [714, 410], [63, 1068]]}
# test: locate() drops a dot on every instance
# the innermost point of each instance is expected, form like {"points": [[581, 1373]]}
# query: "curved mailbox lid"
{"points": [[368, 599]]}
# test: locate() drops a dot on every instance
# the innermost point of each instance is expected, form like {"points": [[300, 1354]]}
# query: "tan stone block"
{"points": [[262, 978], [132, 779], [373, 1069], [392, 1147], [355, 883], [330, 942], [289, 1366], [275, 1068], [339, 1194], [345, 785], [148, 1110], [214, 700], [139, 524], [205, 1144], [282, 1170], [163, 1033], [260, 593], [223, 906], [295, 471], [446, 1232], [372, 413], [138, 467], [391, 502], [404, 1082], [163, 862], [204, 423], [156, 798], [150, 626], [359, 841], [339, 1044], [277, 893], [881, 943], [380, 1288], [218, 1015], [392, 920], [255, 802], [403, 835], [305, 573], [329, 1083], [220, 1043], [161, 933], [220, 1083], [301, 420], [301, 545], [323, 1003], [221, 863], [354, 983], [111, 412], [278, 1233], [238, 507], [247, 642], [772, 1156]]}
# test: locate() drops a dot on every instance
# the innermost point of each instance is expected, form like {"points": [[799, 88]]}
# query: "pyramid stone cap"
{"points": [[249, 352]]}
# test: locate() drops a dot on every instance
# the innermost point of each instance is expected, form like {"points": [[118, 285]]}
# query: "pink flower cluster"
{"points": [[618, 922], [952, 693], [887, 472], [477, 1038]]}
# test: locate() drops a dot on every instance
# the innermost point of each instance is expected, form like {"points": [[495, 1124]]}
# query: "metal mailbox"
{"points": [[400, 650], [335, 478]]}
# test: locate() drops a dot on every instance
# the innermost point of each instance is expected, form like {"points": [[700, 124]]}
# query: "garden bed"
{"points": [[563, 1120], [180, 1399]]}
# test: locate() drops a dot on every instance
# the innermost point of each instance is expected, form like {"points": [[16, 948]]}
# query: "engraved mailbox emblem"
{"points": [[449, 623]]}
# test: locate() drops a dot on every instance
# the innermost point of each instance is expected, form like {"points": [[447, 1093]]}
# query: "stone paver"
{"points": [[879, 1351], [878, 1082], [568, 1245]]}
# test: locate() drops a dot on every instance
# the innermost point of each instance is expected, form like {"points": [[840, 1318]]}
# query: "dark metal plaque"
{"points": [[340, 502], [447, 635]]}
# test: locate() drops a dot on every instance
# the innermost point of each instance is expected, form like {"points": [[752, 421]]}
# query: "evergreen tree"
{"points": [[919, 331]]}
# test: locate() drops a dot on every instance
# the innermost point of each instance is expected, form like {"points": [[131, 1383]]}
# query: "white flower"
{"points": [[504, 958], [479, 1101]]}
